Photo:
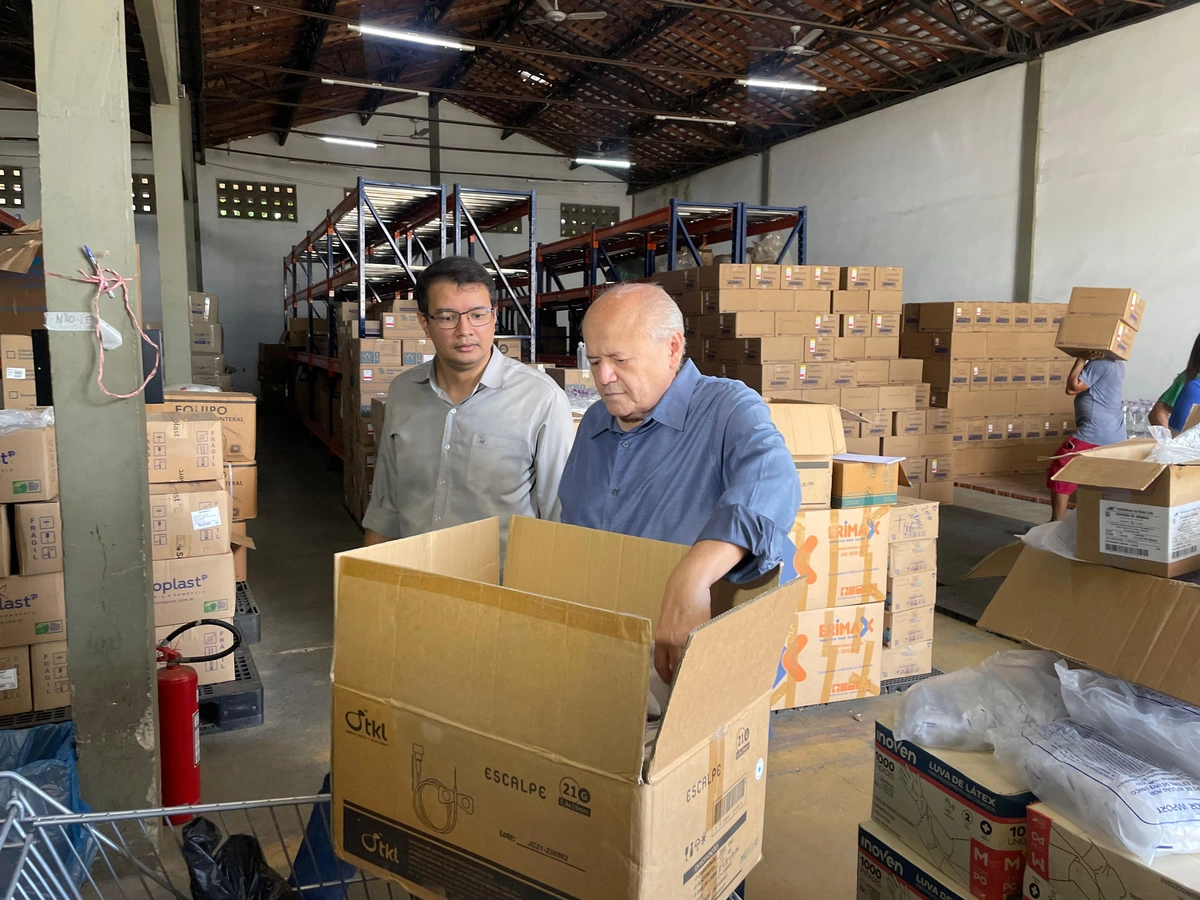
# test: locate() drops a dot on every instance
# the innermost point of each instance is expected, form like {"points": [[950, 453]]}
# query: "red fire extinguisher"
{"points": [[179, 717]]}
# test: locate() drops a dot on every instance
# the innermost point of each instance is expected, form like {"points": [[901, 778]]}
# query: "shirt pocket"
{"points": [[497, 465]]}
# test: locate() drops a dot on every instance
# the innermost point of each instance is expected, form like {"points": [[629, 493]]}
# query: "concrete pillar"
{"points": [[157, 21], [83, 135], [1031, 130]]}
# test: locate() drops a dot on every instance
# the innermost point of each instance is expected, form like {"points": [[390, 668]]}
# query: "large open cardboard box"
{"points": [[813, 434], [489, 741]]}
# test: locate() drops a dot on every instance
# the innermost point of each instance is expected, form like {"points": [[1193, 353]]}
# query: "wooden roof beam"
{"points": [[304, 56]]}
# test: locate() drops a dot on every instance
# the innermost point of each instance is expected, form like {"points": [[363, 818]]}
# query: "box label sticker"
{"points": [[14, 373], [8, 679], [1152, 533], [206, 518]]}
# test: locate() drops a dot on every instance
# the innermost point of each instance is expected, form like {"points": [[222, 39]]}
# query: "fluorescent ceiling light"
{"points": [[696, 119], [611, 163], [376, 85], [412, 37], [786, 85], [350, 142], [536, 79]]}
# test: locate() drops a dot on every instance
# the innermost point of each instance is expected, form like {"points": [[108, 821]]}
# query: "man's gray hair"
{"points": [[664, 316]]}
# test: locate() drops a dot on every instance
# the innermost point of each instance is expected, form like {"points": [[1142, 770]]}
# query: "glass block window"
{"points": [[255, 200], [580, 218], [12, 187], [144, 203]]}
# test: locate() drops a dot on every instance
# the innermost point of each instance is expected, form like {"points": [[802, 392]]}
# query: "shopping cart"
{"points": [[49, 853]]}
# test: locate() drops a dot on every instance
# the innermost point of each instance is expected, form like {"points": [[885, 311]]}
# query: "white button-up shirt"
{"points": [[499, 453]]}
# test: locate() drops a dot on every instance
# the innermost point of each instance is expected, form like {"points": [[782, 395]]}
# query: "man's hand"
{"points": [[687, 600]]}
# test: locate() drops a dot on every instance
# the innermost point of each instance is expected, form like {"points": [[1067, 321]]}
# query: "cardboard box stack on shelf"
{"points": [[33, 631], [911, 589], [17, 387], [821, 334], [995, 367], [208, 342], [191, 512]]}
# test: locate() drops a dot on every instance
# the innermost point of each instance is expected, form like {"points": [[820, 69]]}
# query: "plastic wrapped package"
{"points": [[956, 711], [1154, 725], [1105, 788], [1184, 448], [20, 419]]}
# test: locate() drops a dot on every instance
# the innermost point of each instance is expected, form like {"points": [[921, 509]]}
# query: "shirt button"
{"points": [[614, 492], [453, 411], [447, 447], [624, 443]]}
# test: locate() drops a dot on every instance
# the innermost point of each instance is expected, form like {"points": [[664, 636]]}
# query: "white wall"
{"points": [[1118, 200], [243, 260]]}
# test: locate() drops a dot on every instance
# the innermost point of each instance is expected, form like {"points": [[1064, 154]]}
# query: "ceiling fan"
{"points": [[555, 16], [800, 46]]}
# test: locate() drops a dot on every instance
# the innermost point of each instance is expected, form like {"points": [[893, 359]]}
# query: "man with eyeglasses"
{"points": [[471, 434]]}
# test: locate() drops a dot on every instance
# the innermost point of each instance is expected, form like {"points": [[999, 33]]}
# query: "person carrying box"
{"points": [[1096, 384]]}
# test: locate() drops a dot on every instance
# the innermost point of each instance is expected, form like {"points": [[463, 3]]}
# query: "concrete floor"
{"points": [[820, 766]]}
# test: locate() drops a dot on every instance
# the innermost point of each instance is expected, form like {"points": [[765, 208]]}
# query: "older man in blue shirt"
{"points": [[677, 456]]}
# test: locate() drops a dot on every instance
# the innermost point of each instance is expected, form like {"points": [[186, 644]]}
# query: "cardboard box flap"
{"points": [[1138, 627], [19, 250], [998, 563], [809, 429], [726, 665], [242, 540], [557, 678]]}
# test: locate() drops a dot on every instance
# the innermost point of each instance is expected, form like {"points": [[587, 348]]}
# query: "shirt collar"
{"points": [[671, 409], [493, 374]]}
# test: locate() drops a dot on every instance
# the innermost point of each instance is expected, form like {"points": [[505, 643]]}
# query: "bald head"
{"points": [[634, 338]]}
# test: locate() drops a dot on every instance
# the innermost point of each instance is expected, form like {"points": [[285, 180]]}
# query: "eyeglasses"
{"points": [[448, 319]]}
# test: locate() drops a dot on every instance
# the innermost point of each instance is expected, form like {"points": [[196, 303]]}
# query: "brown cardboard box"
{"points": [[897, 396], [881, 347], [378, 377], [812, 301], [183, 446], [1022, 317], [723, 277], [1040, 315], [854, 324], [805, 323], [1124, 303], [905, 371], [195, 587], [710, 349], [761, 350], [49, 677], [864, 481], [1056, 372], [1001, 374], [186, 519], [878, 424], [851, 302], [237, 412], [618, 794], [207, 365], [403, 324], [909, 422], [813, 375], [813, 434], [17, 387], [207, 338], [938, 491], [923, 393], [908, 626], [1002, 316], [907, 661], [843, 373], [204, 307], [886, 302], [1019, 374], [691, 303], [984, 314], [242, 481], [912, 520], [767, 277], [979, 403], [748, 300], [1079, 334], [860, 399], [841, 556], [826, 658], [415, 352], [32, 609], [858, 278], [798, 278], [995, 429], [865, 446], [947, 317], [911, 557], [872, 371], [937, 445], [38, 532], [849, 347], [706, 326], [889, 278], [958, 433], [938, 468], [938, 421], [240, 545], [1037, 373], [957, 345], [377, 351], [747, 324], [826, 278], [885, 324], [200, 641], [16, 693], [948, 375], [768, 376], [914, 474], [905, 445], [976, 430], [981, 376]]}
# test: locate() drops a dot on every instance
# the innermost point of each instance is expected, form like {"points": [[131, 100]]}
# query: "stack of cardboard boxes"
{"points": [[911, 589], [208, 342], [996, 368], [369, 365], [1101, 320], [190, 521], [821, 334], [33, 630]]}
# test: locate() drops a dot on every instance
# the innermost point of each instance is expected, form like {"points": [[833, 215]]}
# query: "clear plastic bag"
{"points": [[1105, 788], [20, 419], [956, 711], [1184, 448], [1154, 725], [767, 249]]}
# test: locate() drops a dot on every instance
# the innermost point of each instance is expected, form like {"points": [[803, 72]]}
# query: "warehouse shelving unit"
{"points": [[371, 247], [630, 250]]}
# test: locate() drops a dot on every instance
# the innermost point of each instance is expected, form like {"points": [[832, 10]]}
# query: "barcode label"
{"points": [[729, 800], [1180, 552], [1126, 549]]}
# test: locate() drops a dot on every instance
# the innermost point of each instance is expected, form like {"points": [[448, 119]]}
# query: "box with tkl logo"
{"points": [[522, 769]]}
